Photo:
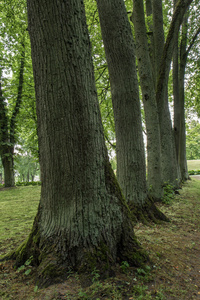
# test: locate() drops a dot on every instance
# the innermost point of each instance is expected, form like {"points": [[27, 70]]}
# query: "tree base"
{"points": [[54, 261], [148, 213]]}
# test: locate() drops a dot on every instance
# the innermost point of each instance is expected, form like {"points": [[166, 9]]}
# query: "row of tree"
{"points": [[86, 216]]}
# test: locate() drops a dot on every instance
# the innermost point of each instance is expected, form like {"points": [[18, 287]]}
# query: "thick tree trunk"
{"points": [[158, 33], [149, 13], [82, 221], [149, 101]]}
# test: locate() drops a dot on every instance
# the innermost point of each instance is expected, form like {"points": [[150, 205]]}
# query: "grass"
{"points": [[18, 208], [174, 250], [193, 164]]}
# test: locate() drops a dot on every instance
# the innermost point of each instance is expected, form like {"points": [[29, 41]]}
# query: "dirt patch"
{"points": [[173, 273]]}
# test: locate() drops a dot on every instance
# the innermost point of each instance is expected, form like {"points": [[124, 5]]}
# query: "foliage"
{"points": [[27, 183], [194, 172], [18, 114], [169, 194], [192, 141]]}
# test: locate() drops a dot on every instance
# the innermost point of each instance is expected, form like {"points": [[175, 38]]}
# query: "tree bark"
{"points": [[149, 14], [82, 220], [158, 33]]}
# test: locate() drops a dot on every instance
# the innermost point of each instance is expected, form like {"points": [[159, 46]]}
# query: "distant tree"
{"points": [[17, 101], [162, 59], [147, 83], [8, 125], [188, 37]]}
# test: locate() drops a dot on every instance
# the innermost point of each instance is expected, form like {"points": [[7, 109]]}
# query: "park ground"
{"points": [[173, 271]]}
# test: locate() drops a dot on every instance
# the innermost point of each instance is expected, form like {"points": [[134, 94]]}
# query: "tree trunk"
{"points": [[182, 137], [170, 165], [176, 92], [8, 166], [149, 101], [82, 220], [169, 162], [158, 33], [119, 49], [149, 14], [28, 176]]}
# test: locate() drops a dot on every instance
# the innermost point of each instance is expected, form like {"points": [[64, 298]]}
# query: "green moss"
{"points": [[136, 257], [52, 271], [36, 238], [98, 258]]}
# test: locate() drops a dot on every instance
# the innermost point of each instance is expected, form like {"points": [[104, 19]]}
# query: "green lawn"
{"points": [[173, 247], [193, 164], [18, 208]]}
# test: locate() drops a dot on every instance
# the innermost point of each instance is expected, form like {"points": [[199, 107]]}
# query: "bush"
{"points": [[194, 172], [27, 183]]}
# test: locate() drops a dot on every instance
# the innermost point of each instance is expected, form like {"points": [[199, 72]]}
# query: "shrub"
{"points": [[27, 183]]}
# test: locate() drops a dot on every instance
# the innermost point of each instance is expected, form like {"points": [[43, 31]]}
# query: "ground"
{"points": [[174, 250]]}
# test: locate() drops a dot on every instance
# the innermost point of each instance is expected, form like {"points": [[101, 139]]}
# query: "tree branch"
{"points": [[192, 42]]}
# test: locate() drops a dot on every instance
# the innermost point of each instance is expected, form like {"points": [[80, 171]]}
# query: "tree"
{"points": [[149, 100], [12, 53], [169, 165], [82, 219], [119, 48], [179, 69], [8, 128]]}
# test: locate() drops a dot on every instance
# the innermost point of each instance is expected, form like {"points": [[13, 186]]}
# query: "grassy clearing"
{"points": [[174, 250], [193, 164]]}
